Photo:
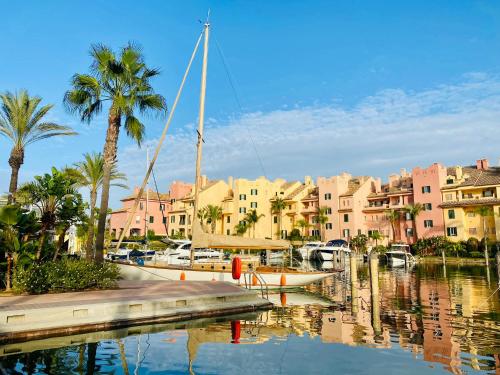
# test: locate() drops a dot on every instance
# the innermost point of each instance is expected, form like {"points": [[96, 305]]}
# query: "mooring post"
{"points": [[375, 293], [498, 266], [443, 255], [354, 284]]}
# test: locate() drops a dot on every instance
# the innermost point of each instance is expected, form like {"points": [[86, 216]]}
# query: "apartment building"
{"points": [[467, 191]]}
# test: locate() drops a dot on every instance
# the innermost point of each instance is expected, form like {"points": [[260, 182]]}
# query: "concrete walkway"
{"points": [[135, 302]]}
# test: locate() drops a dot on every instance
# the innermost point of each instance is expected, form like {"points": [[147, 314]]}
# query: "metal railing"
{"points": [[248, 277]]}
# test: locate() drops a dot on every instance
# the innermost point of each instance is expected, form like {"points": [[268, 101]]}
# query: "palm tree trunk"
{"points": [[60, 243], [415, 236], [16, 159], [393, 227], [41, 240], [485, 236], [89, 247], [9, 272], [109, 155]]}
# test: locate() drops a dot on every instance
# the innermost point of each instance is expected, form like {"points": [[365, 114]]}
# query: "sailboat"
{"points": [[269, 276]]}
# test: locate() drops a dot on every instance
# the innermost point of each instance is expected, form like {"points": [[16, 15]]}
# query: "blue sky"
{"points": [[360, 86]]}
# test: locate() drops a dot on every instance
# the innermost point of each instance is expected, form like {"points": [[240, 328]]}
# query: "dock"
{"points": [[29, 317]]}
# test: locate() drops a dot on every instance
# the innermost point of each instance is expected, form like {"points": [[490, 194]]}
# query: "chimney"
{"points": [[458, 172], [307, 180], [482, 164], [230, 182], [203, 181]]}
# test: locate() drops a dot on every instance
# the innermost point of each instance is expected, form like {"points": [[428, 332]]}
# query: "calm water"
{"points": [[431, 322]]}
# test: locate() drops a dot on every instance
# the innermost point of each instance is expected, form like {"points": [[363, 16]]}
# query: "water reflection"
{"points": [[431, 320]]}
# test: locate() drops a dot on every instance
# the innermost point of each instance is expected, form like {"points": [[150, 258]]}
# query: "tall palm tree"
{"points": [[322, 220], [252, 218], [393, 217], [213, 213], [123, 81], [90, 174], [23, 121], [241, 228], [277, 207], [484, 212], [303, 225], [414, 210]]}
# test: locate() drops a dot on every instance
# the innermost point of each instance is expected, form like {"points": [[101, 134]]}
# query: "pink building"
{"points": [[427, 184], [152, 212]]}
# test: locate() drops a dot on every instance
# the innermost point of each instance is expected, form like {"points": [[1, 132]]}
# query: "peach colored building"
{"points": [[427, 184], [153, 211]]}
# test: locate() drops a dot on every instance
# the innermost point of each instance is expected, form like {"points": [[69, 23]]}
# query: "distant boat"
{"points": [[306, 252], [332, 250], [399, 255]]}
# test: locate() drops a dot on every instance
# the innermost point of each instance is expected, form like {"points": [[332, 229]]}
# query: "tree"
{"points": [[241, 228], [123, 81], [277, 207], [48, 193], [376, 236], [322, 220], [359, 242], [484, 212], [253, 218], [71, 211], [414, 210], [393, 217], [212, 214], [90, 174], [303, 225], [23, 122]]}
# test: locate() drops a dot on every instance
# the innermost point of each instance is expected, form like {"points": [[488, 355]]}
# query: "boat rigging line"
{"points": [[164, 219], [238, 102]]}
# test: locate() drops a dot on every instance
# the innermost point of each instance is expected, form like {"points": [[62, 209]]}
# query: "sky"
{"points": [[320, 87]]}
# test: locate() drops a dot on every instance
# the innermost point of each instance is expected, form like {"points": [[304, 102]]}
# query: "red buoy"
{"points": [[236, 268], [183, 276], [235, 331]]}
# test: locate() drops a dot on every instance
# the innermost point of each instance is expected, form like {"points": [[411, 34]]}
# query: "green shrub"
{"points": [[476, 254], [472, 245], [64, 276]]}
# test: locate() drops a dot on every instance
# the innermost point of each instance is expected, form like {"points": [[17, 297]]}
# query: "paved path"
{"points": [[136, 290]]}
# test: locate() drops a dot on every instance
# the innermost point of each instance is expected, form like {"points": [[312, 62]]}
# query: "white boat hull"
{"points": [[272, 279]]}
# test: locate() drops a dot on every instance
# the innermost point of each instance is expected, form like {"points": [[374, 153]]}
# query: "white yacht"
{"points": [[399, 255], [180, 254], [332, 249], [307, 250]]}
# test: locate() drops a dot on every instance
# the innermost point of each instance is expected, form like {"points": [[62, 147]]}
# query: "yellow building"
{"points": [[469, 190]]}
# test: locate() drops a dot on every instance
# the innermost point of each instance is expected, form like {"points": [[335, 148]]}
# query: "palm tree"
{"points": [[23, 122], [124, 82], [303, 225], [213, 213], [322, 220], [277, 206], [241, 228], [252, 218], [393, 217], [90, 174], [484, 212], [376, 236], [414, 210]]}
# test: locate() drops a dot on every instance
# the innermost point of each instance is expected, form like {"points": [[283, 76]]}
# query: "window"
{"points": [[275, 219], [427, 206], [228, 232], [449, 181], [428, 224], [345, 232], [466, 195], [182, 220], [243, 197], [243, 222], [329, 211], [488, 193], [471, 214], [409, 232], [162, 207], [172, 232], [329, 226], [449, 197], [284, 234], [253, 205], [451, 214], [289, 206], [172, 219], [253, 192], [172, 201], [407, 216], [315, 232], [472, 231], [426, 189], [346, 218], [151, 219], [141, 206], [328, 196], [243, 210], [228, 219], [359, 232], [137, 219], [451, 231], [164, 220]]}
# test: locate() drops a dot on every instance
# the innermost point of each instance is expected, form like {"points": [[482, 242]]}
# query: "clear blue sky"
{"points": [[343, 65]]}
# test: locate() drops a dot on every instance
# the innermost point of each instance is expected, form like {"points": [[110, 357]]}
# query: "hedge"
{"points": [[64, 276]]}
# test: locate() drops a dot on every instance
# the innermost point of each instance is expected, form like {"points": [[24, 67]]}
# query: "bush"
{"points": [[472, 245], [476, 254], [64, 276]]}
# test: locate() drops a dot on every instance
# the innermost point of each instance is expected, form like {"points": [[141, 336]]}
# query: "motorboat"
{"points": [[307, 250], [129, 254], [333, 250], [399, 255], [181, 254]]}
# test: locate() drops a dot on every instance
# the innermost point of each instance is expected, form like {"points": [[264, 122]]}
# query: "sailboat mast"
{"points": [[146, 214], [201, 118]]}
